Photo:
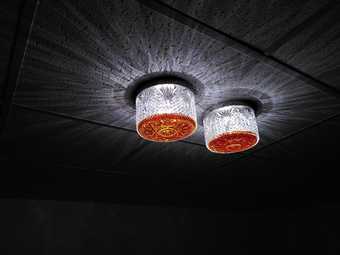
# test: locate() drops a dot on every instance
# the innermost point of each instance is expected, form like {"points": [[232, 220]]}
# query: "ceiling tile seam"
{"points": [[304, 25], [252, 153], [69, 167], [22, 34], [87, 170], [239, 45], [65, 116]]}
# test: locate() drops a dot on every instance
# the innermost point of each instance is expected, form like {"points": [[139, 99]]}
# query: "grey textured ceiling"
{"points": [[69, 109], [317, 49], [82, 57], [260, 23], [304, 34]]}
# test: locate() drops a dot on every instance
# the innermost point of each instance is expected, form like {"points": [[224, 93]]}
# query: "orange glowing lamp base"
{"points": [[233, 142], [166, 127]]}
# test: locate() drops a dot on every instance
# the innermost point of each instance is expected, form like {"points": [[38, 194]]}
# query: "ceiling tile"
{"points": [[316, 49], [259, 23], [82, 58], [9, 11]]}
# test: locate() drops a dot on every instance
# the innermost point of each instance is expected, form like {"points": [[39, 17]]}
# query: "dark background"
{"points": [[76, 179]]}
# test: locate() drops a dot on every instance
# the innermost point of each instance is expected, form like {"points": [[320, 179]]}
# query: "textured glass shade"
{"points": [[165, 113], [231, 129]]}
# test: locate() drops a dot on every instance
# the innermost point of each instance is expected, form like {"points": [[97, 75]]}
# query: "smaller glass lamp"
{"points": [[231, 129]]}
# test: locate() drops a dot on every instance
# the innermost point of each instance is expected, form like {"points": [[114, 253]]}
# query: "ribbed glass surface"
{"points": [[231, 129], [165, 113]]}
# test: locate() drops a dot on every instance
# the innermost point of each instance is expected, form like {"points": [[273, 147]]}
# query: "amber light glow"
{"points": [[166, 127], [231, 129], [165, 113], [233, 142]]}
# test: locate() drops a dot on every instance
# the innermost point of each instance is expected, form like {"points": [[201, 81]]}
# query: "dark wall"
{"points": [[51, 227]]}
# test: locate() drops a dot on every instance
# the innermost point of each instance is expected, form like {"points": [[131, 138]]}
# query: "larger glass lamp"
{"points": [[165, 113], [231, 129]]}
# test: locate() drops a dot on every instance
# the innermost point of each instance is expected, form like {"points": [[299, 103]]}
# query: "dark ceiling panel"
{"points": [[316, 50], [24, 13], [306, 161], [303, 34], [47, 156], [316, 147], [259, 23], [45, 138], [84, 55], [9, 11], [284, 174]]}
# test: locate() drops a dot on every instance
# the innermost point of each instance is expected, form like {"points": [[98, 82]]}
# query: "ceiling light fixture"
{"points": [[165, 112], [231, 128]]}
